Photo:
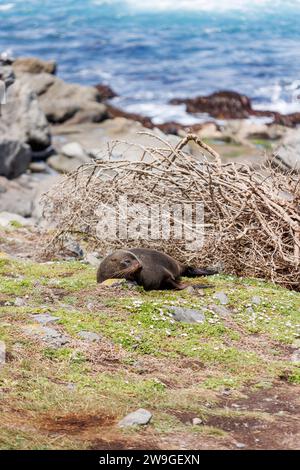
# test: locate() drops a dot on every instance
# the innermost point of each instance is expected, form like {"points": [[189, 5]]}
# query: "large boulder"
{"points": [[63, 101], [15, 157], [33, 65], [22, 117], [288, 152], [240, 130], [15, 197], [23, 195], [72, 155], [7, 219], [39, 83]]}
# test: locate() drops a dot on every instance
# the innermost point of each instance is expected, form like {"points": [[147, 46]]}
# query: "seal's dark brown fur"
{"points": [[149, 268]]}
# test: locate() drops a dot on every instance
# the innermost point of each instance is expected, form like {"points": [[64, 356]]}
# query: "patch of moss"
{"points": [[16, 224], [64, 354], [262, 143], [294, 377]]}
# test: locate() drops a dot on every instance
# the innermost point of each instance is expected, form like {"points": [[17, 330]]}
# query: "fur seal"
{"points": [[151, 269]]}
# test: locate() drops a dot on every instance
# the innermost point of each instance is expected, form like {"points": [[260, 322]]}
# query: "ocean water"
{"points": [[150, 51]]}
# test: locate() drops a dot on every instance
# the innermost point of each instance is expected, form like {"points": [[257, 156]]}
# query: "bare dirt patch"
{"points": [[75, 423], [125, 444], [22, 243], [280, 429]]}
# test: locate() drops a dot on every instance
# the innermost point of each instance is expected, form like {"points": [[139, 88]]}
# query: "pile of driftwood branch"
{"points": [[251, 220]]}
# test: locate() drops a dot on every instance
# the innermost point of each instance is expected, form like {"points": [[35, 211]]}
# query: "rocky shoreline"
{"points": [[48, 127]]}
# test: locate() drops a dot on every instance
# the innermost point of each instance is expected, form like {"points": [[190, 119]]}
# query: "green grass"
{"points": [[143, 359]]}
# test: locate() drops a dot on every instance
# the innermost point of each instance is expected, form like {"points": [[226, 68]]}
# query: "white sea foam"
{"points": [[160, 113], [283, 98], [7, 6], [201, 5]]}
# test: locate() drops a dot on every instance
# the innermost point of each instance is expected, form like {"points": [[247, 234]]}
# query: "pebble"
{"points": [[256, 300], [50, 336], [93, 259], [220, 310], [19, 302], [38, 167], [187, 315], [221, 297], [75, 150], [197, 421], [240, 445], [44, 318], [89, 336], [190, 290]]}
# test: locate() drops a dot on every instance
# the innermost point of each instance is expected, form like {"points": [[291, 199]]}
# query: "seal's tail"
{"points": [[189, 271]]}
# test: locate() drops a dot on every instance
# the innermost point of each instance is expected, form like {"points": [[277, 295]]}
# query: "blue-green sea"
{"points": [[152, 51]]}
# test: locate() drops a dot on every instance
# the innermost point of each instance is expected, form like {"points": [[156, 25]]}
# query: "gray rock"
{"points": [[2, 353], [15, 157], [44, 318], [139, 417], [75, 150], [7, 219], [71, 386], [240, 445], [220, 310], [187, 315], [62, 101], [38, 167], [19, 195], [288, 153], [33, 65], [89, 336], [190, 290], [93, 112], [39, 83], [50, 336], [93, 259], [73, 247], [12, 200], [25, 122], [221, 297], [249, 310], [256, 300], [64, 164], [19, 302], [38, 202], [240, 130], [94, 138], [197, 421]]}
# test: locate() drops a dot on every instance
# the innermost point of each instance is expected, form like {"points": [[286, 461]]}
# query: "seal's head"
{"points": [[121, 264]]}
